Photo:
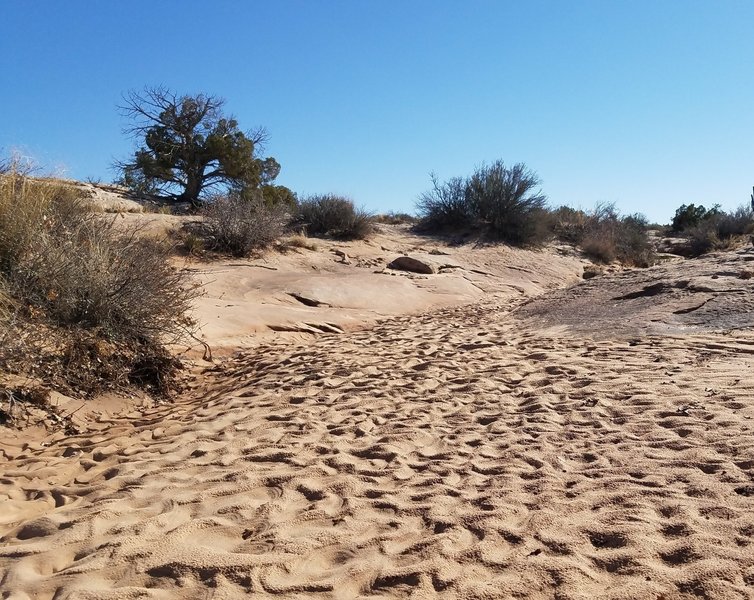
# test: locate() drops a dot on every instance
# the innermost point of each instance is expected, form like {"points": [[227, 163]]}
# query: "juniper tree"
{"points": [[188, 148]]}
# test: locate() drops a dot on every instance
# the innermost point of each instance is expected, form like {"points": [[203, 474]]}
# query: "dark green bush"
{"points": [[720, 230], [334, 216], [445, 206], [501, 201], [279, 195], [689, 216]]}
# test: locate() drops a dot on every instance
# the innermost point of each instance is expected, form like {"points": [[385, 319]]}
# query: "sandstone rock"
{"points": [[414, 265]]}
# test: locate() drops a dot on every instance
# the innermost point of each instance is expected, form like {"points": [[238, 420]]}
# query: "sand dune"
{"points": [[503, 448]]}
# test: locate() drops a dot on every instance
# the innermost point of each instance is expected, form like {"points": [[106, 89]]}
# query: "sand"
{"points": [[583, 443]]}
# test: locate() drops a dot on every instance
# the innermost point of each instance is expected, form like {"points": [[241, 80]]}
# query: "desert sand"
{"points": [[500, 429]]}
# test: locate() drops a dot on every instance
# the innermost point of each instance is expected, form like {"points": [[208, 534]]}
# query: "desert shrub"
{"points": [[193, 243], [505, 199], [28, 207], [96, 277], [688, 216], [719, 231], [396, 218], [445, 206], [607, 236], [239, 226], [736, 223], [703, 239], [7, 309], [569, 224], [502, 201], [333, 216], [300, 240], [77, 282]]}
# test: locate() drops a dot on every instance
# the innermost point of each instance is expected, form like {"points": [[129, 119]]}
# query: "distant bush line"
{"points": [[706, 230], [505, 203]]}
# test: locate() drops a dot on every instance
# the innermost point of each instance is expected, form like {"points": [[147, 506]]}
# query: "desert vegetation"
{"points": [[604, 235], [505, 203], [189, 149], [333, 216], [396, 218], [712, 229], [86, 303], [242, 224], [237, 225]]}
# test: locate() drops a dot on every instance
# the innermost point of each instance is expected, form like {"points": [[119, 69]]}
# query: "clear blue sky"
{"points": [[645, 103]]}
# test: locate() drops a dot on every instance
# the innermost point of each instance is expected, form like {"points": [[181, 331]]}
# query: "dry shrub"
{"points": [[26, 209], [92, 276], [89, 301], [334, 216], [600, 248], [445, 207], [7, 307], [193, 243], [239, 226], [300, 240], [81, 361], [570, 224], [720, 231], [396, 218], [606, 236]]}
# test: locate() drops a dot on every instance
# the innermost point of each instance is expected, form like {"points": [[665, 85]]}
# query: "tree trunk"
{"points": [[193, 189]]}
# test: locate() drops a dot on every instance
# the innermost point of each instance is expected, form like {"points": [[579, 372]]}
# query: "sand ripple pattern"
{"points": [[456, 454]]}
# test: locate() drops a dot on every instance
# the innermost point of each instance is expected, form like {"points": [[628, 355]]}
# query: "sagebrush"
{"points": [[604, 235], [334, 216], [503, 202], [83, 287], [239, 226]]}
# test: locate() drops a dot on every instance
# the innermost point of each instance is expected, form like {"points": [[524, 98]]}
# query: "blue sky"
{"points": [[648, 104]]}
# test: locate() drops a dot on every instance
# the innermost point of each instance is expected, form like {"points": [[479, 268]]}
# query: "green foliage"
{"points": [[502, 201], [720, 230], [190, 148], [269, 194], [688, 216], [333, 216]]}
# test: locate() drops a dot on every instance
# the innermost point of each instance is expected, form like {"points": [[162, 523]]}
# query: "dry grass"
{"points": [[300, 240], [396, 218]]}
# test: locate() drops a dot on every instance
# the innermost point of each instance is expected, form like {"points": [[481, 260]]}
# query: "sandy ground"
{"points": [[590, 442]]}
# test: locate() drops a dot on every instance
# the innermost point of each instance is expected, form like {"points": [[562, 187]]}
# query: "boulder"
{"points": [[414, 265]]}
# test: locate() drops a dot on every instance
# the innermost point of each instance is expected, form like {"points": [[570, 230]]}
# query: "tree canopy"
{"points": [[189, 149]]}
